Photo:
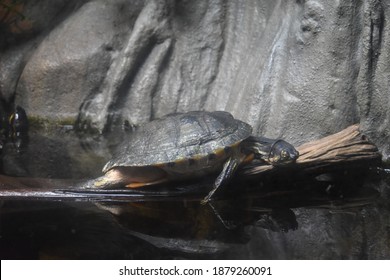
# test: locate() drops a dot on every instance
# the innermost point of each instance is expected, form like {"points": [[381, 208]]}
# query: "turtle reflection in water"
{"points": [[190, 145]]}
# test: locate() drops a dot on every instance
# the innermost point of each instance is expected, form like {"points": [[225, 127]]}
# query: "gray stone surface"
{"points": [[69, 63], [20, 37], [294, 69]]}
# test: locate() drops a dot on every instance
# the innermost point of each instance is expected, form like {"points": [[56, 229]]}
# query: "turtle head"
{"points": [[282, 153]]}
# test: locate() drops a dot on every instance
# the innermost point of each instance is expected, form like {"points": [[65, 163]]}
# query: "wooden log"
{"points": [[345, 147]]}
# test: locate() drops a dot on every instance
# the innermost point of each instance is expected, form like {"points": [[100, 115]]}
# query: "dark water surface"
{"points": [[344, 215]]}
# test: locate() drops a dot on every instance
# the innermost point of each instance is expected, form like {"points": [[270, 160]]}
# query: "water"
{"points": [[343, 216]]}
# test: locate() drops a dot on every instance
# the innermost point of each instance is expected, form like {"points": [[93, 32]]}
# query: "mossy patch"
{"points": [[43, 124]]}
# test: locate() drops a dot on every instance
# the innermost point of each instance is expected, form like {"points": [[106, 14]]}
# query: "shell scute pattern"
{"points": [[178, 137]]}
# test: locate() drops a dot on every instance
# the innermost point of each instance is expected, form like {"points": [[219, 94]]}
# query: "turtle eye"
{"points": [[284, 154]]}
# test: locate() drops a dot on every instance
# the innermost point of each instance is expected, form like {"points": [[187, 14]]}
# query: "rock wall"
{"points": [[293, 69]]}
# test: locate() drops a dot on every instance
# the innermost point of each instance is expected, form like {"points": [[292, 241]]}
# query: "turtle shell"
{"points": [[180, 136]]}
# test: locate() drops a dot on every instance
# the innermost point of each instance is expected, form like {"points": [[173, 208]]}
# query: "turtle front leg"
{"points": [[229, 168]]}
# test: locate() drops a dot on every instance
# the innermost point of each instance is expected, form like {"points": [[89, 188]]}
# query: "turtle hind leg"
{"points": [[229, 168], [131, 177], [134, 185]]}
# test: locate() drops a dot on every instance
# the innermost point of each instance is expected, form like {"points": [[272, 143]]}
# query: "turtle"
{"points": [[188, 145]]}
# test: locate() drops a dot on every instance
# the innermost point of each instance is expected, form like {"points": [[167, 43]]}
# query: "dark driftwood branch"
{"points": [[346, 146]]}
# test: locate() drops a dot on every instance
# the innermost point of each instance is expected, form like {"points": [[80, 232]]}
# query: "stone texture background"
{"points": [[294, 69]]}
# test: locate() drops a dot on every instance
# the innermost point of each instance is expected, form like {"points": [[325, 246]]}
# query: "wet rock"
{"points": [[11, 65], [70, 63], [372, 87], [25, 25], [140, 47]]}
